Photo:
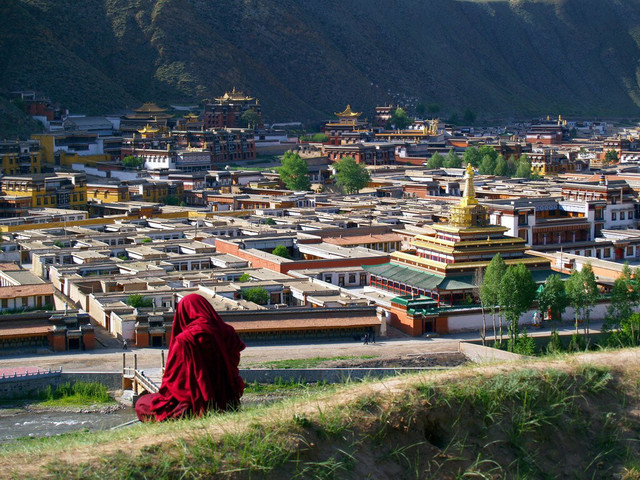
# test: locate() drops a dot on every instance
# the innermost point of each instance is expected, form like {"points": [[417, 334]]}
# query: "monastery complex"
{"points": [[107, 222]]}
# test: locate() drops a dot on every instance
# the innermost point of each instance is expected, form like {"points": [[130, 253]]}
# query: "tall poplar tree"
{"points": [[489, 291]]}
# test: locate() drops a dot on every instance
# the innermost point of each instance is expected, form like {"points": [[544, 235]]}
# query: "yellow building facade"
{"points": [[17, 157], [68, 190]]}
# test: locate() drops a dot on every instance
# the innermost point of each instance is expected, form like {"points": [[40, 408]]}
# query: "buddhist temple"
{"points": [[348, 123], [226, 111], [443, 265], [148, 114]]}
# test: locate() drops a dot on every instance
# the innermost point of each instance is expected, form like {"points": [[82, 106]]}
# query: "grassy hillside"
{"points": [[306, 59], [568, 417]]}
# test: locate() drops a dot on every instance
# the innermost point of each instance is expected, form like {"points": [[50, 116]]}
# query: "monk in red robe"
{"points": [[202, 365]]}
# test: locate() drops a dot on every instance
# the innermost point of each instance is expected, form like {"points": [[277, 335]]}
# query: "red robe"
{"points": [[202, 365]]}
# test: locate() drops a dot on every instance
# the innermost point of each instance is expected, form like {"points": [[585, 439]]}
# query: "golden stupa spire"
{"points": [[469, 197]]}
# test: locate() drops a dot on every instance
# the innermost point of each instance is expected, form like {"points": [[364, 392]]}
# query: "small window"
{"points": [[622, 216], [614, 215]]}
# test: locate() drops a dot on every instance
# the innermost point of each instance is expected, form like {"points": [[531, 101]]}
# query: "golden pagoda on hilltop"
{"points": [[442, 265]]}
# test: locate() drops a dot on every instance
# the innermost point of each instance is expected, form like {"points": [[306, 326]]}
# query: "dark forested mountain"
{"points": [[305, 59]]}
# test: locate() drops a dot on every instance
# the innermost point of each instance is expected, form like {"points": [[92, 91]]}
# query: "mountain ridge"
{"points": [[304, 60]]}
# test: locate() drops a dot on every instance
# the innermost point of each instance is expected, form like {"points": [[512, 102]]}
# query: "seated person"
{"points": [[202, 365]]}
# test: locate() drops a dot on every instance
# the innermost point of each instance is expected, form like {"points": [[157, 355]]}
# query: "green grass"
{"points": [[310, 362], [75, 394], [291, 387], [523, 423]]}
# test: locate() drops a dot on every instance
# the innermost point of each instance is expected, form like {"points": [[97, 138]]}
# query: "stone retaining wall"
{"points": [[19, 386]]}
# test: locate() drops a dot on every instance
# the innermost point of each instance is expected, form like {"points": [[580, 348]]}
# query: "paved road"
{"points": [[108, 357]]}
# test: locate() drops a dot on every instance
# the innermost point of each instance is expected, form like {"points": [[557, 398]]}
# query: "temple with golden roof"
{"points": [[226, 111], [149, 114], [348, 123], [442, 265]]}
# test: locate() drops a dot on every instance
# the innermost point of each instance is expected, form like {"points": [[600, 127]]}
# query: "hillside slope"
{"points": [[570, 417], [305, 59]]}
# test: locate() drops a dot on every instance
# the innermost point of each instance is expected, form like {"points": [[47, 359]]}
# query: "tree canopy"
{"points": [[436, 161], [133, 162], [583, 293], [553, 297], [452, 160], [137, 301], [294, 172], [351, 176], [281, 251], [250, 118], [611, 157], [517, 292], [257, 295], [400, 119], [489, 291]]}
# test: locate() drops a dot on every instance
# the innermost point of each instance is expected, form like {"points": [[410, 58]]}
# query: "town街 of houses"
{"points": [[107, 222]]}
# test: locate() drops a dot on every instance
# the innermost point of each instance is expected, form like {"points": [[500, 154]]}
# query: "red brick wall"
{"points": [[223, 246]]}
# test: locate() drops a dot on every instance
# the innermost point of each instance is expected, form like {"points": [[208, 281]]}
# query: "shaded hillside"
{"points": [[305, 59], [15, 123], [571, 417]]}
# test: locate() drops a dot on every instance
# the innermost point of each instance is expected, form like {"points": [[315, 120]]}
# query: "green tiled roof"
{"points": [[418, 278], [457, 283], [409, 276]]}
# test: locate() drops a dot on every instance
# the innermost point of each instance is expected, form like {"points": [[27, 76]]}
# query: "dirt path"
{"points": [[110, 359]]}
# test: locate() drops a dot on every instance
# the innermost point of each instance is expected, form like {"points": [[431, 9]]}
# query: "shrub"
{"points": [[256, 295]]}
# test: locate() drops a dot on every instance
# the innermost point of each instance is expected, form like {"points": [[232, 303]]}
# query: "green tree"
{"points": [[628, 333], [400, 119], [133, 162], [250, 119], [139, 301], [452, 160], [490, 288], [472, 156], [512, 166], [319, 138], [433, 108], [436, 161], [583, 293], [553, 297], [487, 165], [524, 169], [245, 277], [478, 281], [269, 221], [294, 172], [625, 296], [517, 292], [469, 116], [171, 200], [421, 108], [257, 295], [554, 345], [611, 157], [281, 251], [501, 169], [351, 176], [485, 150]]}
